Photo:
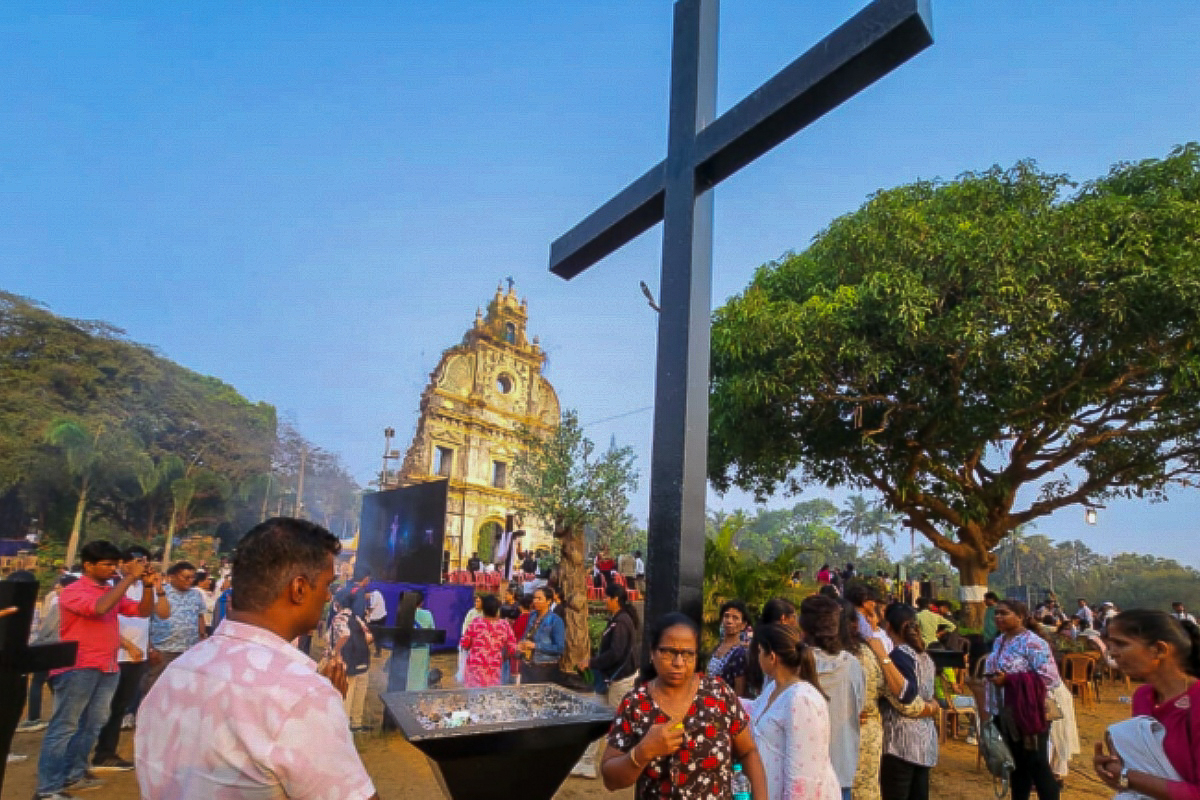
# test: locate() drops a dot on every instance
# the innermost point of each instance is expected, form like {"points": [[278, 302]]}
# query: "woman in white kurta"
{"points": [[1064, 733], [791, 719]]}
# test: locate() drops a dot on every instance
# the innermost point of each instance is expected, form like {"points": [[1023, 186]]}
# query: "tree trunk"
{"points": [[973, 569], [166, 562], [573, 581], [151, 513], [77, 526], [266, 497]]}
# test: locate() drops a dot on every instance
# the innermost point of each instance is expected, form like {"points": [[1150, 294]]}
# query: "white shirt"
{"points": [[792, 734], [377, 607], [639, 568], [135, 629]]}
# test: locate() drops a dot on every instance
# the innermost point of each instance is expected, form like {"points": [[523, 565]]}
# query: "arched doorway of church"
{"points": [[485, 539]]}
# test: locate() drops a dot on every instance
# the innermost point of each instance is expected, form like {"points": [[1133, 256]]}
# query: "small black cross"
{"points": [[18, 659], [702, 152], [404, 636]]}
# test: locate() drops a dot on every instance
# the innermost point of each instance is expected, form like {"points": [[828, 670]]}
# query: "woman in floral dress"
{"points": [[476, 610], [1018, 649], [677, 734], [729, 660], [488, 641]]}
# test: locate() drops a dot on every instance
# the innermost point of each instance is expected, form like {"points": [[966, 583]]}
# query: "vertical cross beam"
{"points": [[702, 152], [678, 468]]}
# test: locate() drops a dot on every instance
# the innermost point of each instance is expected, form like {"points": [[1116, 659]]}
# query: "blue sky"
{"points": [[310, 201]]}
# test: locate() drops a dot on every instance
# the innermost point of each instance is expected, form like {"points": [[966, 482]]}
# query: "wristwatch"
{"points": [[1123, 781]]}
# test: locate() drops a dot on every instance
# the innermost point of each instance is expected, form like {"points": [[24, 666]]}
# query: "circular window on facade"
{"points": [[504, 384]]}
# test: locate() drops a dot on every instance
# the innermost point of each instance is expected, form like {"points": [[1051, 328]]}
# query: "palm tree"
{"points": [[861, 519], [730, 573], [81, 448], [855, 518], [883, 524], [195, 483], [94, 458], [714, 520]]}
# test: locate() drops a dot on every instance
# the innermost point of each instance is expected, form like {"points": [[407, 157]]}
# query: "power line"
{"points": [[617, 416]]}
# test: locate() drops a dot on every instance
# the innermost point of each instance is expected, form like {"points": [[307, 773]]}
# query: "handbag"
{"points": [[997, 757], [1053, 710]]}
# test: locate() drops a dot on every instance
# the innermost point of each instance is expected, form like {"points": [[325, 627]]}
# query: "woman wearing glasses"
{"points": [[678, 733]]}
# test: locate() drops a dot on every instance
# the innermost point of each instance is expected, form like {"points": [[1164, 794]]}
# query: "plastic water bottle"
{"points": [[741, 784]]}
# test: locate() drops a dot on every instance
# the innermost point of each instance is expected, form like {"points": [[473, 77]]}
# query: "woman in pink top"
{"points": [[488, 640], [1153, 647]]}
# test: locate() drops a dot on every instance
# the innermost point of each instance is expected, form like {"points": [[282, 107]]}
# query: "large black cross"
{"points": [[702, 152], [18, 658]]}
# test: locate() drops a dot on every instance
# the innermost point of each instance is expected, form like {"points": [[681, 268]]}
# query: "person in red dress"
{"points": [[1164, 652], [488, 641]]}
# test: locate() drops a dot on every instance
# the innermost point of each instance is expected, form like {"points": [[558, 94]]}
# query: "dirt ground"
{"points": [[401, 772]]}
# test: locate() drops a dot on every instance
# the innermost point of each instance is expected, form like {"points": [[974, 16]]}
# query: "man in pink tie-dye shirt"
{"points": [[273, 725]]}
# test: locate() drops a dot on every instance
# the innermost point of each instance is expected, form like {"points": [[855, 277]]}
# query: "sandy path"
{"points": [[400, 771]]}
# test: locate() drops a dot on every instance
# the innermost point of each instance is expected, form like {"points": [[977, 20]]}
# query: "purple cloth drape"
{"points": [[449, 604]]}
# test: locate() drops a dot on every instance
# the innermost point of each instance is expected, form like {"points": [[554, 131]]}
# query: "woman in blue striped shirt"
{"points": [[910, 745]]}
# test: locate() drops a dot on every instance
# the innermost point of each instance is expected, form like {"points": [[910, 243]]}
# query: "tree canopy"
{"points": [[747, 553], [952, 342], [97, 429]]}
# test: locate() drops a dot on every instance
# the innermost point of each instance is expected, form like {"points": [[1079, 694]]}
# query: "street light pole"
{"points": [[388, 433]]}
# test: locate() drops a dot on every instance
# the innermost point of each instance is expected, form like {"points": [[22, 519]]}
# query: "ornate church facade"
{"points": [[481, 392]]}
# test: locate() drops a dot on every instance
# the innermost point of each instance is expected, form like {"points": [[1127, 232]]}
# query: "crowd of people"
{"points": [[841, 698], [140, 632], [838, 697], [130, 623]]}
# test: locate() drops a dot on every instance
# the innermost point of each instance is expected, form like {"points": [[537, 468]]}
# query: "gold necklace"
{"points": [[671, 709]]}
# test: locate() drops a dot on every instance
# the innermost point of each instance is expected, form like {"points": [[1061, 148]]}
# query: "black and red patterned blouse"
{"points": [[703, 767]]}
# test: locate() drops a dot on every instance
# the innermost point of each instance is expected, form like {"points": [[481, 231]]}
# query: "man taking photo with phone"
{"points": [[83, 692]]}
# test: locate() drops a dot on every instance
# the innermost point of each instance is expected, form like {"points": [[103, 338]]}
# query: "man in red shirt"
{"points": [[83, 693]]}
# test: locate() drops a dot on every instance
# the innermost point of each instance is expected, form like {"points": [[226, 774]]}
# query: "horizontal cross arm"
{"points": [[636, 209], [38, 657], [871, 44], [411, 635], [423, 636]]}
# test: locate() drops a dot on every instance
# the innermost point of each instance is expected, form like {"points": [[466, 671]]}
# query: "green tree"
{"points": [[195, 486], [55, 369], [952, 343], [95, 458], [563, 483], [811, 529], [611, 517], [730, 571], [860, 519]]}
